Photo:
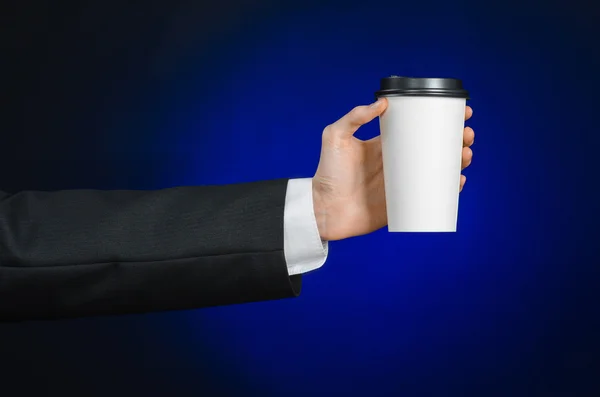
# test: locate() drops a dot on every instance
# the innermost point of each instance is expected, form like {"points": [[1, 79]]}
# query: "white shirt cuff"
{"points": [[303, 248]]}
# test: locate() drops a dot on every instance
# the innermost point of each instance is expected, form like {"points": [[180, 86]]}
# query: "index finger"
{"points": [[468, 112]]}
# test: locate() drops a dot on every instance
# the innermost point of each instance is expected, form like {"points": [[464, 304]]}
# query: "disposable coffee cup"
{"points": [[422, 140]]}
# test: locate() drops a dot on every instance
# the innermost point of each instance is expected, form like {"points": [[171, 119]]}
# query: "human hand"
{"points": [[348, 188]]}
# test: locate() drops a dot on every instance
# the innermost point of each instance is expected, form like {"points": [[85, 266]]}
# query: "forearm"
{"points": [[88, 226], [77, 253]]}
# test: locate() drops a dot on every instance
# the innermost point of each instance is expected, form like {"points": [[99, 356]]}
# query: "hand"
{"points": [[348, 189]]}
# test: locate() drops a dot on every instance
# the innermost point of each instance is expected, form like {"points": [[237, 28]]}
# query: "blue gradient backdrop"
{"points": [[507, 306]]}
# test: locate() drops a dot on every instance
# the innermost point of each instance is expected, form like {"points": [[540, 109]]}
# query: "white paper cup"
{"points": [[422, 138]]}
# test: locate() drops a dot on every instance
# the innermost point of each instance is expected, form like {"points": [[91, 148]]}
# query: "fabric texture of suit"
{"points": [[91, 252]]}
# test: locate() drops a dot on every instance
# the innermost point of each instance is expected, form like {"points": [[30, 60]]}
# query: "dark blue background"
{"points": [[160, 94]]}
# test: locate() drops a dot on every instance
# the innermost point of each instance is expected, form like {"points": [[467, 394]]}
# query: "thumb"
{"points": [[346, 126]]}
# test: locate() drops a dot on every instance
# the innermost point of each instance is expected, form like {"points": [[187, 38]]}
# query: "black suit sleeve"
{"points": [[88, 252]]}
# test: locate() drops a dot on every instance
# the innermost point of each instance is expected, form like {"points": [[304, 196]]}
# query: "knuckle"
{"points": [[330, 132], [357, 111], [360, 114]]}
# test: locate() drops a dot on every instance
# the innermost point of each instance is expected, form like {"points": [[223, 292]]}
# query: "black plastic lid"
{"points": [[416, 86]]}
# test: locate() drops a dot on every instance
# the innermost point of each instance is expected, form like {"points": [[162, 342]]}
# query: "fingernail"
{"points": [[376, 103]]}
